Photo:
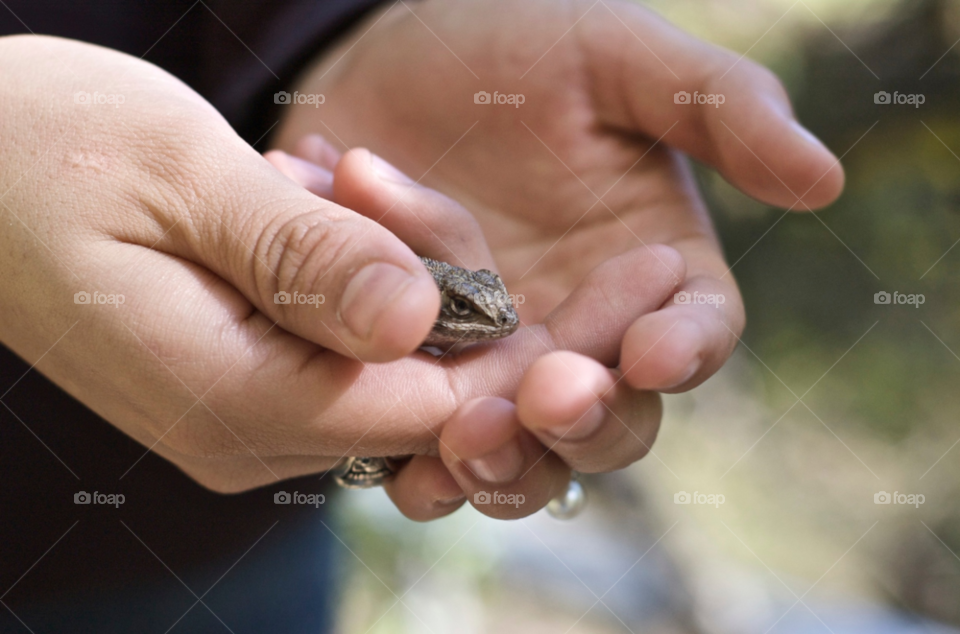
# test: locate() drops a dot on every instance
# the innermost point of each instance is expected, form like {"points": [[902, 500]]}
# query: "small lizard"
{"points": [[474, 306]]}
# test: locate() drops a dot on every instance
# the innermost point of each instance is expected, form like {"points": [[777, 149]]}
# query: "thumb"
{"points": [[720, 108], [319, 270]]}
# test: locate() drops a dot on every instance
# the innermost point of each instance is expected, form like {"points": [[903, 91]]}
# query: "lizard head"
{"points": [[474, 306]]}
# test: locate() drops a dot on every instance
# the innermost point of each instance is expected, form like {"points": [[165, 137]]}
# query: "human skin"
{"points": [[598, 116], [482, 444], [158, 200]]}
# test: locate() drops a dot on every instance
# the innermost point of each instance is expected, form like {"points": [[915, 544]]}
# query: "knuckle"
{"points": [[756, 72], [297, 253], [730, 70]]}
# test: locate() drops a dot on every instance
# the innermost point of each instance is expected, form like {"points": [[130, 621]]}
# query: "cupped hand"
{"points": [[508, 459], [589, 165]]}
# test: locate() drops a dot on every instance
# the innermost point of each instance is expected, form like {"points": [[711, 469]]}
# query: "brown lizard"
{"points": [[474, 306]]}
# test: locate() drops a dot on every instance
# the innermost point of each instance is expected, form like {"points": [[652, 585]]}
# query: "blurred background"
{"points": [[831, 399]]}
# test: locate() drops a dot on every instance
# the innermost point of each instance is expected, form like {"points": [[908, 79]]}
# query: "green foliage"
{"points": [[809, 283]]}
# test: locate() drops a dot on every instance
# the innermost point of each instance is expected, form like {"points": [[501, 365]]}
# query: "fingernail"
{"points": [[313, 148], [502, 465], [583, 427], [686, 341], [307, 168], [806, 134], [457, 499], [369, 293], [687, 374], [388, 172], [315, 179]]}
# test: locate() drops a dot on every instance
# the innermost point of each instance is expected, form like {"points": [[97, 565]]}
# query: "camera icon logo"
{"points": [[682, 97], [882, 98], [282, 97], [81, 497], [281, 497], [82, 97], [683, 297], [482, 97], [83, 297], [883, 297], [481, 497], [681, 498], [283, 297], [881, 497]]}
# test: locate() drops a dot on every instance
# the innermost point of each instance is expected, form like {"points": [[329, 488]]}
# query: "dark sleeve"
{"points": [[255, 48], [236, 53]]}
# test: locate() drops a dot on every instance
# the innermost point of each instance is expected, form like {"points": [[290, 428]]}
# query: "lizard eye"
{"points": [[461, 306]]}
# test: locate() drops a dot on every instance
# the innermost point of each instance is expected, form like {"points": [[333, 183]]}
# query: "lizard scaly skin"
{"points": [[474, 306]]}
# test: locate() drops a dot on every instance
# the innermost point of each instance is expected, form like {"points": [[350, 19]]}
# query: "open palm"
{"points": [[587, 166]]}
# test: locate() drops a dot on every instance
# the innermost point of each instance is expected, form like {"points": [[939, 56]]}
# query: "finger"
{"points": [[321, 271], [411, 400], [579, 410], [432, 224], [621, 290], [314, 148], [313, 178], [504, 472], [271, 377], [752, 138], [681, 345], [424, 490]]}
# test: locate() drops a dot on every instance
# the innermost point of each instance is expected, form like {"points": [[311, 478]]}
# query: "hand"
{"points": [[156, 202], [567, 402], [598, 121], [123, 185]]}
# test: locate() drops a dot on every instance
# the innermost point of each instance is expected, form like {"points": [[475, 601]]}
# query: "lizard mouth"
{"points": [[507, 321]]}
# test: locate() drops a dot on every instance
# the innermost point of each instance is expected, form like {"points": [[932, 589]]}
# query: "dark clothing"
{"points": [[196, 533]]}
